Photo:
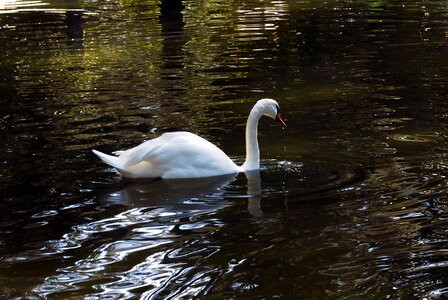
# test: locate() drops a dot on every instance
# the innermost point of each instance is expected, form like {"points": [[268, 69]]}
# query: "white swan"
{"points": [[186, 155]]}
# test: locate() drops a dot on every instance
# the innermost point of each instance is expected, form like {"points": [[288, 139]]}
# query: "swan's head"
{"points": [[270, 108]]}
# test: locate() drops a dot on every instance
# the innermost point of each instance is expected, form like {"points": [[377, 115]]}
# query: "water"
{"points": [[351, 198]]}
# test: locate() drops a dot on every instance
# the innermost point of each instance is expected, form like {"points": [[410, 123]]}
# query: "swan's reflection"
{"points": [[178, 192], [173, 191], [254, 192], [267, 222]]}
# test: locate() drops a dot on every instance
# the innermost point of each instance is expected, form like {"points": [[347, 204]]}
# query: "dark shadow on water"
{"points": [[184, 194], [323, 185], [167, 192]]}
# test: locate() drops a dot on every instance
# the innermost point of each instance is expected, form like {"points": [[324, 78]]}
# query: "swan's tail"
{"points": [[113, 161]]}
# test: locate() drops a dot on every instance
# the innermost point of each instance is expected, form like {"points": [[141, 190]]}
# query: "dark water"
{"points": [[351, 201]]}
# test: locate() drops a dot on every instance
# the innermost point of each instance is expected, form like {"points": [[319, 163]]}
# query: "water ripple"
{"points": [[351, 198]]}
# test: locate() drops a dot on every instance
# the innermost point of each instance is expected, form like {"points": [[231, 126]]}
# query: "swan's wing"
{"points": [[177, 155], [142, 152], [168, 146]]}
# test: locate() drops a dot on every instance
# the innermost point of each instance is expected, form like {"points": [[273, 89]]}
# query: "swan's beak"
{"points": [[279, 119]]}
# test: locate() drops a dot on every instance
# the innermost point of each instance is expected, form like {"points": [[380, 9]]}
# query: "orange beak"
{"points": [[279, 119]]}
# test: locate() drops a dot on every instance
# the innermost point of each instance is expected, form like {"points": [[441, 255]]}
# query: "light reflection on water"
{"points": [[13, 6], [350, 201], [160, 230]]}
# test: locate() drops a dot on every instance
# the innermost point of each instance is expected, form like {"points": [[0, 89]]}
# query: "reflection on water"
{"points": [[166, 192], [351, 198], [168, 213]]}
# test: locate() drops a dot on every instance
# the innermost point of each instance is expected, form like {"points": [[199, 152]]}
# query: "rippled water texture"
{"points": [[351, 200]]}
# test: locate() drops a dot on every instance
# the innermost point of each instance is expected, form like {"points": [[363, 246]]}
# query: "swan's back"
{"points": [[173, 155]]}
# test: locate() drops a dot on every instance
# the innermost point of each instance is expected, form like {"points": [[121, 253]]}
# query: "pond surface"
{"points": [[351, 200]]}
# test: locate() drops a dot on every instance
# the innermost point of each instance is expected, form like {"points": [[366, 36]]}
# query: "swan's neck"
{"points": [[252, 151]]}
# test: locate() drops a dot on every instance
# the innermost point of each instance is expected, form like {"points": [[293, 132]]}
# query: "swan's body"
{"points": [[186, 155], [172, 155]]}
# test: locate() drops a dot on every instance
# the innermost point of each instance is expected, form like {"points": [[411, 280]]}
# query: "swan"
{"points": [[183, 154]]}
